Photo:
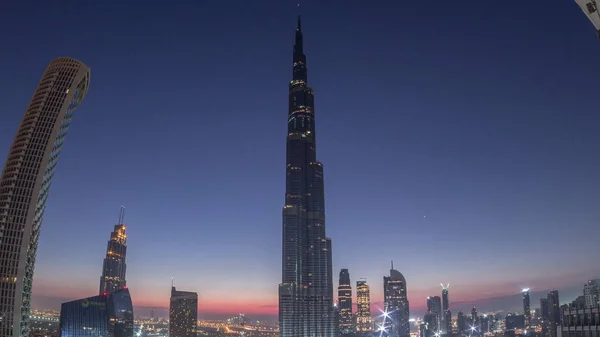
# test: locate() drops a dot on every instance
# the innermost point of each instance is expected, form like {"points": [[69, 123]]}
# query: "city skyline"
{"points": [[501, 154]]}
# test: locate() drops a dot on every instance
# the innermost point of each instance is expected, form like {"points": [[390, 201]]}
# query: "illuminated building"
{"points": [[590, 9], [363, 307], [395, 303], [306, 290], [447, 314], [434, 307], [526, 307], [345, 302], [475, 319], [106, 315], [183, 313], [591, 292], [25, 184], [114, 267], [554, 317], [461, 323], [544, 308]]}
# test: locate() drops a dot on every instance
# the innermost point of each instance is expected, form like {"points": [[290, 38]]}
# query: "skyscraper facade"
{"points": [[544, 309], [345, 302], [434, 307], [103, 315], [25, 184], [306, 290], [114, 267], [526, 306], [554, 317], [591, 292], [395, 302], [447, 314], [183, 314], [364, 322]]}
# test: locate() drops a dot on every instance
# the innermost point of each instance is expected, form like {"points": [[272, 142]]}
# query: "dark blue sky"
{"points": [[459, 139]]}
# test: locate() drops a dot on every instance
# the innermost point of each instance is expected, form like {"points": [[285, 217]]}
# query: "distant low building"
{"points": [[109, 314]]}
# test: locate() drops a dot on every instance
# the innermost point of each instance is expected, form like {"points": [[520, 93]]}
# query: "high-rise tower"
{"points": [[526, 307], [183, 313], [306, 290], [114, 267], [447, 314], [396, 303], [345, 302], [434, 307], [554, 314], [364, 323], [25, 184]]}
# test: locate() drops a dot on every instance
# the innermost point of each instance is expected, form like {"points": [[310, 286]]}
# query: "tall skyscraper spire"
{"points": [[25, 184], [306, 290], [114, 267]]}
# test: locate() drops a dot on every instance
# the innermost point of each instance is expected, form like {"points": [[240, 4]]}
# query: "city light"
{"points": [[525, 290]]}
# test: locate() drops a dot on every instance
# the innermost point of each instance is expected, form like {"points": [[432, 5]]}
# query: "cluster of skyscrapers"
{"points": [[396, 307]]}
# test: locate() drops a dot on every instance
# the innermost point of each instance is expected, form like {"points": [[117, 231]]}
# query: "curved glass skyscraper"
{"points": [[306, 290], [25, 183]]}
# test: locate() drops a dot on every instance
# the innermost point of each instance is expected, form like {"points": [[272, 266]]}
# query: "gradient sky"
{"points": [[460, 141]]}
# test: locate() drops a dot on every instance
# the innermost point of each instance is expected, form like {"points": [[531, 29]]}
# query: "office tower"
{"points": [[345, 302], [591, 292], [183, 313], [447, 324], [336, 320], [395, 303], [430, 322], [526, 306], [102, 315], [306, 290], [25, 183], [544, 308], [553, 313], [447, 315], [363, 307], [434, 306], [461, 323], [114, 267]]}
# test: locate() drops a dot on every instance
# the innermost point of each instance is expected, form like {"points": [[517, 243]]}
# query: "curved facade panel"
{"points": [[25, 183], [108, 315]]}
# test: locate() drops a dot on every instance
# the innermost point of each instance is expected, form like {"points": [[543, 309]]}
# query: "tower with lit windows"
{"points": [[396, 303], [345, 302], [25, 184], [364, 323], [114, 267], [306, 289], [526, 306]]}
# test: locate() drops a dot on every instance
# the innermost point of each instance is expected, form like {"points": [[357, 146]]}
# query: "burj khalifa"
{"points": [[306, 291]]}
